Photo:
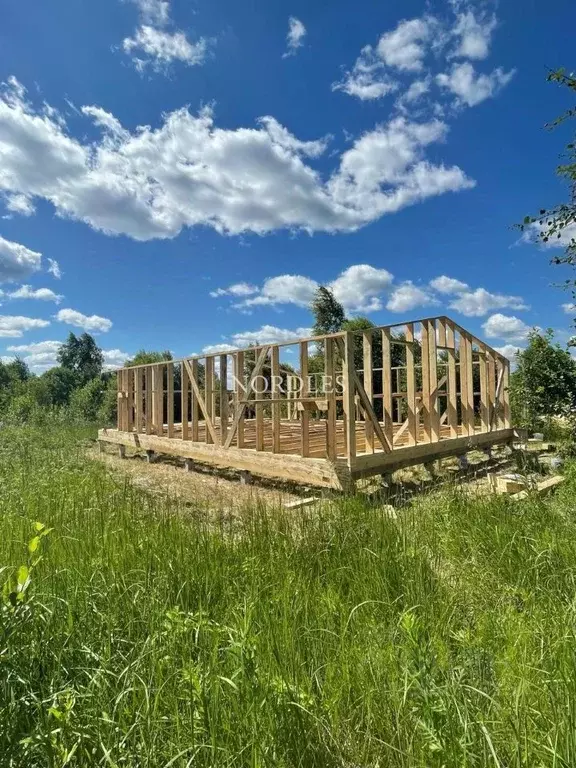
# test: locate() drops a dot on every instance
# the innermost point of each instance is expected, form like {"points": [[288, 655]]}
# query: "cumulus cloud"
{"points": [[474, 34], [16, 261], [534, 233], [268, 334], [471, 88], [569, 308], [445, 284], [360, 287], [155, 12], [237, 289], [187, 172], [87, 323], [506, 327], [54, 269], [42, 355], [13, 326], [19, 204], [284, 289], [160, 48], [295, 36], [405, 47], [368, 79], [509, 350], [42, 294], [480, 302], [409, 296]]}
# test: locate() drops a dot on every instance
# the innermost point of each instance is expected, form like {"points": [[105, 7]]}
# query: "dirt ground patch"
{"points": [[206, 488]]}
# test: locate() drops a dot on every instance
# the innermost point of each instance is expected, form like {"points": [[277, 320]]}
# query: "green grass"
{"points": [[151, 635]]}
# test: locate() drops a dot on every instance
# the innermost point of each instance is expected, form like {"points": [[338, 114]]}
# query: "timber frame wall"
{"points": [[357, 403]]}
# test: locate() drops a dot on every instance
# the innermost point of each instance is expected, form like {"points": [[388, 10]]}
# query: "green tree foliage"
{"points": [[82, 356], [328, 313], [145, 357], [559, 222], [544, 382], [55, 387]]}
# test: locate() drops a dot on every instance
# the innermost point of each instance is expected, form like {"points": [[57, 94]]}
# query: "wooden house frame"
{"points": [[322, 411]]}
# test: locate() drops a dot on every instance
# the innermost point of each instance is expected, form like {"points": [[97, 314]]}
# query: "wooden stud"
{"points": [[148, 396], [426, 385], [209, 394], [368, 386], [469, 384], [491, 389], [304, 415], [506, 395], [223, 399], [411, 386], [452, 406], [192, 370], [138, 401], [387, 385], [184, 401], [484, 403], [330, 386], [256, 372], [275, 404], [349, 392], [158, 399], [430, 329], [238, 395], [202, 404], [170, 398]]}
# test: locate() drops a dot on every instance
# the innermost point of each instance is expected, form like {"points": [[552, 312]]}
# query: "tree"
{"points": [[328, 313], [559, 223], [82, 356], [144, 357], [55, 387], [544, 382]]}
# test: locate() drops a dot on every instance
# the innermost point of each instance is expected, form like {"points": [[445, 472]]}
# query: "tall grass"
{"points": [[149, 634]]}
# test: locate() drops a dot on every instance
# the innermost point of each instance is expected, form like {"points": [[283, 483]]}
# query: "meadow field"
{"points": [[139, 630]]}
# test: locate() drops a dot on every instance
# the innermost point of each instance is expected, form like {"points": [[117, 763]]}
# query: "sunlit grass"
{"points": [[148, 635]]}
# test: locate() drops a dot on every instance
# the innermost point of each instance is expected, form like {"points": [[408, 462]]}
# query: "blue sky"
{"points": [[182, 175]]}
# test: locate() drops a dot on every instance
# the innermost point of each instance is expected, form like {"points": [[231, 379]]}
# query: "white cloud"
{"points": [[87, 323], [360, 286], [506, 327], [237, 289], [409, 296], [535, 232], [215, 349], [16, 261], [480, 302], [405, 47], [268, 334], [43, 294], [19, 204], [509, 350], [187, 172], [368, 78], [284, 289], [42, 355], [569, 308], [155, 12], [114, 358], [13, 326], [413, 93], [295, 36], [162, 48], [470, 88], [445, 284], [54, 269], [474, 35]]}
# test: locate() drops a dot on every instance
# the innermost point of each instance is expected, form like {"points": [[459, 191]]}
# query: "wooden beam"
{"points": [[330, 386], [223, 399], [149, 410], [138, 400], [304, 415], [387, 413], [426, 384], [249, 392], [484, 403], [158, 399], [368, 386], [209, 394], [238, 395], [275, 404], [452, 405], [346, 347], [469, 384], [184, 401], [170, 398], [210, 430], [491, 389], [411, 387], [193, 370], [430, 329]]}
